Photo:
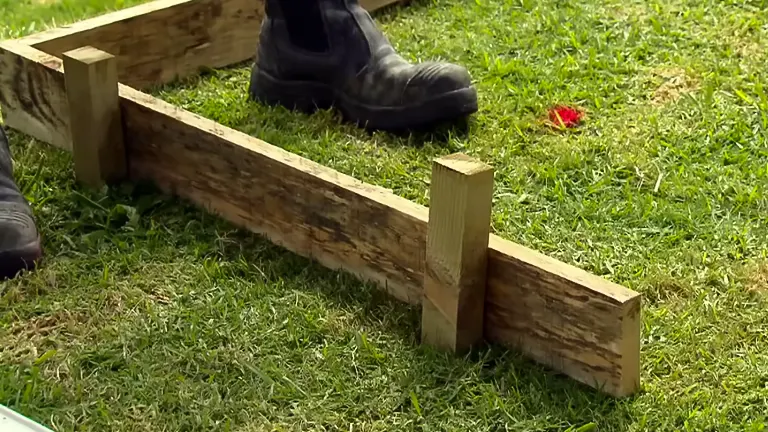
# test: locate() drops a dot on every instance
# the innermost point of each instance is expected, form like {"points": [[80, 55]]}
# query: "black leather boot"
{"points": [[348, 63], [19, 239]]}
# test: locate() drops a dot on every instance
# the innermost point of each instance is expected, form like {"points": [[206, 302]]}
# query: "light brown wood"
{"points": [[307, 208], [165, 40], [159, 42], [94, 114], [579, 324], [32, 94], [564, 317], [457, 253]]}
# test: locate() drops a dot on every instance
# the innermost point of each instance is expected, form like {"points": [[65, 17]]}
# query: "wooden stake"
{"points": [[95, 122], [457, 253]]}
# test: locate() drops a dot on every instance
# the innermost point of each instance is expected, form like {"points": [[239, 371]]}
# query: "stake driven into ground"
{"points": [[149, 314]]}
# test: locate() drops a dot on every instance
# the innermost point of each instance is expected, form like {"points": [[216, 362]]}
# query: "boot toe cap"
{"points": [[434, 79], [19, 240]]}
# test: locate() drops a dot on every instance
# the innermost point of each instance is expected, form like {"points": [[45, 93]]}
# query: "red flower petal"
{"points": [[564, 116]]}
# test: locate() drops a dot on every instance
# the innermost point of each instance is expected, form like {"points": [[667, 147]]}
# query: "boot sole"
{"points": [[309, 96], [25, 258]]}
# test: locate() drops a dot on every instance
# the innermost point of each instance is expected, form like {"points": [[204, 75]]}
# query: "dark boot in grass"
{"points": [[19, 240], [323, 53]]}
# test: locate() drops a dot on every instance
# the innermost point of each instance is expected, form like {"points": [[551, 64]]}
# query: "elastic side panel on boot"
{"points": [[306, 27]]}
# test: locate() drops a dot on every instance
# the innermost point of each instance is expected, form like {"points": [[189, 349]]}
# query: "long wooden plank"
{"points": [[306, 207], [33, 98], [164, 40], [559, 315], [158, 42], [564, 317]]}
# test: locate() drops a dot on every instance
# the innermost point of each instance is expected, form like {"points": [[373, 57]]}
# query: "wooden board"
{"points": [[561, 316], [564, 317], [311, 210], [158, 42], [33, 96], [161, 41]]}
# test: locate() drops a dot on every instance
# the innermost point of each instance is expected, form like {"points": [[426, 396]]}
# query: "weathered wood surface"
{"points": [[564, 317], [456, 264], [94, 113], [33, 96], [559, 315], [158, 42], [161, 41], [311, 210]]}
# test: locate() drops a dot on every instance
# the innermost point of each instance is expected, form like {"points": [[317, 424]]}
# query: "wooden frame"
{"points": [[574, 322]]}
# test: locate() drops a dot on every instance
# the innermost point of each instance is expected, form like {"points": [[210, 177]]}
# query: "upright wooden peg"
{"points": [[457, 253], [94, 111]]}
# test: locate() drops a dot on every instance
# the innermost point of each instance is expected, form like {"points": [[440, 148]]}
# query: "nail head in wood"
{"points": [[95, 122], [457, 253]]}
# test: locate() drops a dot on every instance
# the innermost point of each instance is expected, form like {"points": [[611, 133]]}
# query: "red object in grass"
{"points": [[564, 116]]}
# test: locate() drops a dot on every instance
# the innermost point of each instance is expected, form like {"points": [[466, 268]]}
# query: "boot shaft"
{"points": [[8, 189], [351, 34]]}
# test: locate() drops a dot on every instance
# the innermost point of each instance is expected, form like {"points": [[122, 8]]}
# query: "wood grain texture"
{"points": [[564, 317], [457, 253], [571, 320], [161, 41], [94, 113], [33, 97], [310, 209]]}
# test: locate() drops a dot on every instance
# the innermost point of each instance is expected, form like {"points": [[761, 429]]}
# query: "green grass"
{"points": [[151, 315]]}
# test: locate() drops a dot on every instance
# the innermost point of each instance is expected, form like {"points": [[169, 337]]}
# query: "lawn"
{"points": [[149, 314]]}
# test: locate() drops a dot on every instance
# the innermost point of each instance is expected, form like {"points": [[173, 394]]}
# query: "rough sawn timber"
{"points": [[564, 317], [33, 94], [577, 323], [310, 209], [158, 42], [580, 324]]}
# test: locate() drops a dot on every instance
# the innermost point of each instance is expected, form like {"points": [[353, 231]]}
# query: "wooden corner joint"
{"points": [[95, 119]]}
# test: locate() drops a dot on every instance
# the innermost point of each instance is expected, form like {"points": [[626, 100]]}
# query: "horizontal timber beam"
{"points": [[577, 323], [164, 40]]}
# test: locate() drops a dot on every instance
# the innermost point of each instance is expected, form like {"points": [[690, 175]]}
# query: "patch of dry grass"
{"points": [[674, 83], [756, 277]]}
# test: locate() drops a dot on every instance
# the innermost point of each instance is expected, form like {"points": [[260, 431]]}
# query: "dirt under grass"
{"points": [[151, 315]]}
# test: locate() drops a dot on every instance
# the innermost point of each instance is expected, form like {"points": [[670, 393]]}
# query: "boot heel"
{"points": [[299, 95]]}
